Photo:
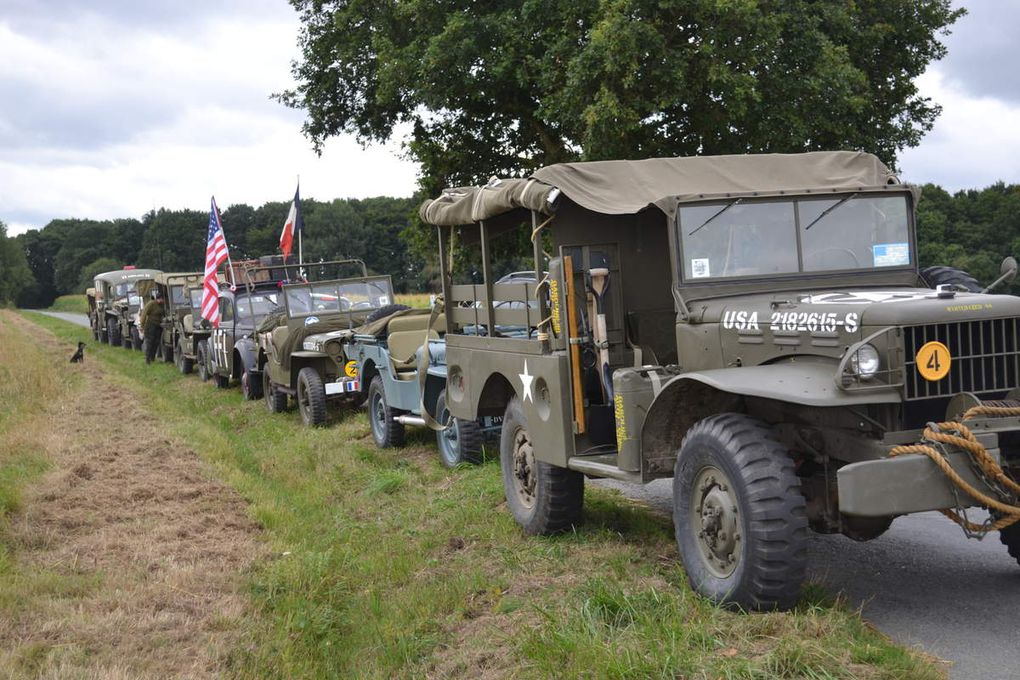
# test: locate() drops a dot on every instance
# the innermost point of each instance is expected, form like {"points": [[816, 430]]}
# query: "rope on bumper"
{"points": [[959, 435]]}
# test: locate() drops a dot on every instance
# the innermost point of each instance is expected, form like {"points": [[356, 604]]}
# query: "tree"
{"points": [[15, 276], [508, 86]]}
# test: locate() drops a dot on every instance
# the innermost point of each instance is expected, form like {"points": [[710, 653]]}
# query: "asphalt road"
{"points": [[72, 317], [922, 583]]}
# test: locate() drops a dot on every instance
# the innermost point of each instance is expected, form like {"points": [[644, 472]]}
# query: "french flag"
{"points": [[293, 226]]}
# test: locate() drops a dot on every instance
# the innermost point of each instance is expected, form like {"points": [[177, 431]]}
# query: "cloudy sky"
{"points": [[109, 108]]}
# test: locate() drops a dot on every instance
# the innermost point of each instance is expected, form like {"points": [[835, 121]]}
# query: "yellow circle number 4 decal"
{"points": [[933, 361]]}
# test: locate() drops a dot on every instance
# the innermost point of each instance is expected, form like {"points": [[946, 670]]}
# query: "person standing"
{"points": [[151, 321]]}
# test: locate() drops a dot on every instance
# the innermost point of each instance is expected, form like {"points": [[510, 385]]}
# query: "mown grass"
{"points": [[414, 299], [70, 303], [385, 564], [31, 379]]}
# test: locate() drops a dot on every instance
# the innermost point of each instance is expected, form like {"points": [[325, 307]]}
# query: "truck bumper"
{"points": [[906, 484]]}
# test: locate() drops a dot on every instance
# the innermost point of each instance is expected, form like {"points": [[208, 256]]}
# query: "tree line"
{"points": [[64, 256], [971, 230]]}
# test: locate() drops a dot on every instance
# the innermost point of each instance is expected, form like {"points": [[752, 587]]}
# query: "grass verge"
{"points": [[70, 303], [388, 565]]}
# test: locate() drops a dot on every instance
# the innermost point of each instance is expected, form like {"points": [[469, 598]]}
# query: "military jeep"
{"points": [[113, 311], [756, 328], [180, 335], [300, 353]]}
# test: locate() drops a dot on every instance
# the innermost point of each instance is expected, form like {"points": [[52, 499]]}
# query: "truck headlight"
{"points": [[864, 362]]}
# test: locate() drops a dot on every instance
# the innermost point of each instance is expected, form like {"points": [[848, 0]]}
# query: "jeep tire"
{"points": [[251, 385], [739, 514], [112, 331], [460, 441], [136, 338], [167, 351], [184, 364], [1010, 537], [386, 431], [311, 397], [203, 361], [938, 276], [543, 498], [276, 402], [385, 311]]}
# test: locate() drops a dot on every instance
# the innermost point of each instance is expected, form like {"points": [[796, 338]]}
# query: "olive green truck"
{"points": [[756, 328]]}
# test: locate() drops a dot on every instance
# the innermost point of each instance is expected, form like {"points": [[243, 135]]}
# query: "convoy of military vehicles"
{"points": [[756, 328]]}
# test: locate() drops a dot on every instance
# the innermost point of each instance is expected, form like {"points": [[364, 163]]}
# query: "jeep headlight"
{"points": [[333, 349], [864, 362]]}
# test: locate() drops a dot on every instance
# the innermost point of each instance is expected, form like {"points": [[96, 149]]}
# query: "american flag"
{"points": [[215, 255]]}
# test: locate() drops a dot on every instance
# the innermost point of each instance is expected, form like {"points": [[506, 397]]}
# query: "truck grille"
{"points": [[985, 358]]}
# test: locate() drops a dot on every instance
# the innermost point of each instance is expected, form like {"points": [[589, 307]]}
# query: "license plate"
{"points": [[341, 387]]}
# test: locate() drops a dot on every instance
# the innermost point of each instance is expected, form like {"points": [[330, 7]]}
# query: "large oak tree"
{"points": [[506, 86]]}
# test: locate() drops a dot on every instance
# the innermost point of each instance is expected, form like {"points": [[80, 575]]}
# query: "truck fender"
{"points": [[247, 354], [685, 399]]}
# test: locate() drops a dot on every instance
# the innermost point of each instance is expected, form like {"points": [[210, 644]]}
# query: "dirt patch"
{"points": [[135, 514]]}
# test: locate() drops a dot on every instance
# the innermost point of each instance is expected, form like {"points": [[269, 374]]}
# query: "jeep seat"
{"points": [[416, 322], [189, 324], [404, 347]]}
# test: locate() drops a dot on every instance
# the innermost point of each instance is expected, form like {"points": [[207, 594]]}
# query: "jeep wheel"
{"points": [[203, 361], [386, 431], [311, 397], [1010, 537], [937, 276], [112, 332], [136, 338], [276, 402], [739, 514], [461, 441], [251, 385], [184, 364], [543, 498], [167, 351]]}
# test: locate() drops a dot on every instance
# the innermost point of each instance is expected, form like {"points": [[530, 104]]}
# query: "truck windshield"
{"points": [[126, 290], [855, 232]]}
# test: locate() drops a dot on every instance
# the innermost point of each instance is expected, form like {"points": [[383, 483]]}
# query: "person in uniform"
{"points": [[151, 321]]}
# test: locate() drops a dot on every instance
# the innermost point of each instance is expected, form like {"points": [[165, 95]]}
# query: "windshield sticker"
{"points": [[699, 268], [890, 254]]}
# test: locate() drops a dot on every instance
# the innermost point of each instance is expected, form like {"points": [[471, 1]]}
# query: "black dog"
{"points": [[79, 356]]}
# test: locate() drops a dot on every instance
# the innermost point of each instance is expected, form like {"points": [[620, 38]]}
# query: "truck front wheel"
{"points": [[112, 331], [543, 498], [739, 514]]}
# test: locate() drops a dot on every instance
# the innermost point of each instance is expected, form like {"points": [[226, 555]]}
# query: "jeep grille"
{"points": [[984, 353]]}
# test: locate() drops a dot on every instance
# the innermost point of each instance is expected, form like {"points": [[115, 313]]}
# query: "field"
{"points": [[375, 563], [71, 303]]}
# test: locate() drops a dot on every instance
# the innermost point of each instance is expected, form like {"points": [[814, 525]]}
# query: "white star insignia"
{"points": [[526, 380]]}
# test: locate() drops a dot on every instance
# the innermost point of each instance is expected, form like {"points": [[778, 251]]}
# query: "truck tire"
{"points": [[386, 432], [543, 498], [136, 338], [112, 332], [222, 382], [937, 276], [251, 385], [184, 364], [202, 361], [311, 397], [1010, 537], [276, 402], [739, 514], [167, 351], [125, 339], [461, 441], [385, 311]]}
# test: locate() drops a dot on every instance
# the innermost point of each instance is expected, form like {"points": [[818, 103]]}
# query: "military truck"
{"points": [[300, 348], [755, 327], [114, 314], [386, 355], [181, 334], [231, 352]]}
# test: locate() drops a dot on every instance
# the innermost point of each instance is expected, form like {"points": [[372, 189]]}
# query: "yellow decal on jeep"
{"points": [[933, 361], [554, 291], [351, 369], [621, 423]]}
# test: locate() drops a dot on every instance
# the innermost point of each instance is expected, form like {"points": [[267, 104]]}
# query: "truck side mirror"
{"points": [[1007, 272]]}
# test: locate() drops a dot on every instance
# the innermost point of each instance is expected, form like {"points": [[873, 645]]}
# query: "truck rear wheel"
{"points": [[1010, 537], [112, 331], [276, 402], [386, 431], [203, 361], [461, 441], [543, 498], [311, 397], [739, 515]]}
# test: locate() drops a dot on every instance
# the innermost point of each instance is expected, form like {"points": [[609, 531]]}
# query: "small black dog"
{"points": [[79, 356]]}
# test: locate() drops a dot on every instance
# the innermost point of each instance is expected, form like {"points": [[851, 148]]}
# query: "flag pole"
{"points": [[300, 252], [230, 263]]}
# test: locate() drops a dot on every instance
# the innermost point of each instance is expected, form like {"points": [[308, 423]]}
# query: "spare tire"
{"points": [[938, 276], [385, 311]]}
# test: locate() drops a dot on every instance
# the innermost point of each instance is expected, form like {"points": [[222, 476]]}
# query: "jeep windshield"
{"points": [[725, 240], [256, 307], [338, 296]]}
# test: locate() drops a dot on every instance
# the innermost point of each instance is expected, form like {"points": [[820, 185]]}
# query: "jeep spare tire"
{"points": [[385, 311], [940, 276]]}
